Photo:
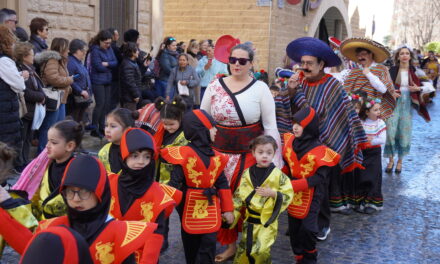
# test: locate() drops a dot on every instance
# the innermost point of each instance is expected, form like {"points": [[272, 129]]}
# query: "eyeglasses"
{"points": [[83, 194], [107, 42], [241, 61], [11, 20]]}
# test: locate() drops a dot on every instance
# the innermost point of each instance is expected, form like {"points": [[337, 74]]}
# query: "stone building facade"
{"points": [[270, 27], [84, 18]]}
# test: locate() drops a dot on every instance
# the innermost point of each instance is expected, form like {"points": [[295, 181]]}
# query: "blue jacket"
{"points": [[206, 76], [82, 82], [168, 62], [100, 74]]}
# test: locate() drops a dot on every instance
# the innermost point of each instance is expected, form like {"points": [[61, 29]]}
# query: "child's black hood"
{"points": [[309, 140]]}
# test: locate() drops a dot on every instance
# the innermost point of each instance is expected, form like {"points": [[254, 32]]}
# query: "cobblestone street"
{"points": [[406, 231]]}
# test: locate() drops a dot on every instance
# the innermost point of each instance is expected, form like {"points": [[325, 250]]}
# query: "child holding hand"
{"points": [[264, 192]]}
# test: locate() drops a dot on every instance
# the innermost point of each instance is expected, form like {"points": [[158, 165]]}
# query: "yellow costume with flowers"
{"points": [[260, 226]]}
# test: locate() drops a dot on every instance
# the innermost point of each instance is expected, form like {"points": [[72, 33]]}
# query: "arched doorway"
{"points": [[331, 24]]}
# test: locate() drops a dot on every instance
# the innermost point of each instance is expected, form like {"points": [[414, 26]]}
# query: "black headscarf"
{"points": [[168, 138], [88, 173], [196, 125], [115, 159], [56, 172], [56, 245], [132, 184], [308, 119]]}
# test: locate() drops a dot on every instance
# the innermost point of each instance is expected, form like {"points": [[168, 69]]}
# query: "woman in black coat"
{"points": [[33, 94], [130, 77]]}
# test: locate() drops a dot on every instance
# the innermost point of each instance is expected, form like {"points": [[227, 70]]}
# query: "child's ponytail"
{"points": [[171, 110]]}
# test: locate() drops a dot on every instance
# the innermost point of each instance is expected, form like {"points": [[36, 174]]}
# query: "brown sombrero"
{"points": [[348, 49]]}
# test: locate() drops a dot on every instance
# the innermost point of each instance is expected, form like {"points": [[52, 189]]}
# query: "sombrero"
{"points": [[348, 49], [312, 47], [335, 42], [223, 47]]}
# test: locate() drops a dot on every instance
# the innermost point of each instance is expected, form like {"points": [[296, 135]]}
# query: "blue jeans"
{"points": [[49, 120], [161, 87]]}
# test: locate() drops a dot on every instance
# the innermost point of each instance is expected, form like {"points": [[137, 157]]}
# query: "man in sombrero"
{"points": [[339, 126], [372, 77]]}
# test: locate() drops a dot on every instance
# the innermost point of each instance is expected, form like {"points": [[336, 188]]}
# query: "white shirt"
{"points": [[10, 74], [375, 81]]}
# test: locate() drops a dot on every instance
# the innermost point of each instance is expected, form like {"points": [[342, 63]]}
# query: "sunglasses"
{"points": [[171, 39], [241, 61]]}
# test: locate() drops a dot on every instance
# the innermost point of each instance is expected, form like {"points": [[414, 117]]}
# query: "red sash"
{"points": [[236, 139], [304, 168], [145, 209], [199, 217]]}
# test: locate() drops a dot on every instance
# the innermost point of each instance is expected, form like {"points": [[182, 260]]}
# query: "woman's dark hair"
{"points": [[364, 108], [37, 24], [75, 45], [166, 42], [183, 55], [128, 49], [70, 131], [101, 36], [112, 31], [275, 88], [60, 45], [263, 140], [396, 56], [245, 48], [171, 110], [124, 117]]}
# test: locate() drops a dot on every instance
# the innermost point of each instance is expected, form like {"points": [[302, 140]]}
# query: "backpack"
{"points": [[156, 68]]}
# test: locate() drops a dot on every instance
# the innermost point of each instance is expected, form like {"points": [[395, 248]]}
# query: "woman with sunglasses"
{"points": [[85, 189], [243, 109]]}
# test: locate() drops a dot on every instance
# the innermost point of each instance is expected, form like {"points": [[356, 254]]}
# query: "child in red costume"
{"points": [[198, 172], [135, 194], [85, 189], [308, 162]]}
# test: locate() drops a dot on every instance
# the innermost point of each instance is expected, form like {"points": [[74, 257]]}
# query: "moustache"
{"points": [[362, 59], [306, 70]]}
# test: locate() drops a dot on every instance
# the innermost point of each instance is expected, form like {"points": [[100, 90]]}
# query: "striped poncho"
{"points": [[356, 82], [339, 125]]}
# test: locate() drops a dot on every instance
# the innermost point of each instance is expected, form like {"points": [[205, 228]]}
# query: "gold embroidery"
{"points": [[297, 198], [112, 204], [192, 173], [174, 152], [104, 252], [215, 170], [200, 209], [329, 155], [289, 157], [166, 199], [134, 229], [147, 211], [309, 166], [168, 189]]}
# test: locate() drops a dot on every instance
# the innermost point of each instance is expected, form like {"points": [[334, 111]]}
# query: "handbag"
{"points": [[53, 98], [39, 114], [81, 101]]}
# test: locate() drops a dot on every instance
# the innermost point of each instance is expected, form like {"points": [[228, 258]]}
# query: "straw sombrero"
{"points": [[348, 49]]}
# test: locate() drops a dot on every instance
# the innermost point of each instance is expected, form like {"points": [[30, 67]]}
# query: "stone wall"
{"points": [[144, 23], [68, 19], [209, 19]]}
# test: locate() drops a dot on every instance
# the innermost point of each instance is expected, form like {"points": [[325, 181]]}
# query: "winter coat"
{"points": [[167, 62], [99, 74], [10, 123], [190, 75], [82, 82], [39, 44], [130, 79], [54, 72], [34, 92]]}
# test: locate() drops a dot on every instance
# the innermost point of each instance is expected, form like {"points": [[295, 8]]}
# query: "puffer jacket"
{"points": [[99, 74], [34, 92], [167, 61], [10, 123], [54, 72], [130, 79]]}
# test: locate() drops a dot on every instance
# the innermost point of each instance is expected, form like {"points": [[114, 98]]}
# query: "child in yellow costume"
{"points": [[265, 192]]}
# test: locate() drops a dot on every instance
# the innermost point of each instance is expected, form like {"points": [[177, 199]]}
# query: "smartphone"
{"points": [[76, 76]]}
